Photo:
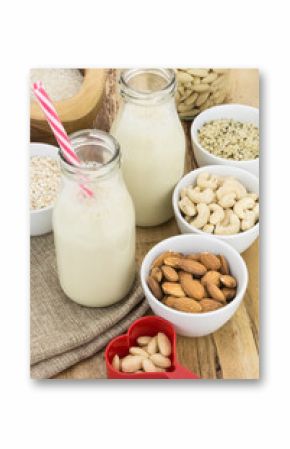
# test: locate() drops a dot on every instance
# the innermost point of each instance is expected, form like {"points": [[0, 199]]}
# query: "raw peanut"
{"points": [[160, 259], [191, 98], [172, 289], [193, 256], [154, 287], [192, 266], [201, 87], [209, 304], [134, 350], [149, 367], [152, 346], [213, 277], [210, 261], [182, 107], [192, 287], [172, 261], [164, 344], [215, 292], [160, 361], [224, 269], [156, 273], [209, 78], [229, 293], [228, 281], [131, 363], [169, 273], [185, 304], [202, 98], [198, 72], [143, 340], [116, 362]]}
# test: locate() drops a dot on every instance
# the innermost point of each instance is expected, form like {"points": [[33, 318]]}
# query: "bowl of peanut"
{"points": [[196, 282], [227, 135]]}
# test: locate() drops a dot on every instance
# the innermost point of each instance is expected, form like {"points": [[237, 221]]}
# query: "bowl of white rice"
{"points": [[227, 135]]}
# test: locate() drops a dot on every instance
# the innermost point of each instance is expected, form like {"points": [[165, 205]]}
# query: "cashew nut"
{"points": [[183, 192], [205, 180], [209, 228], [202, 216], [226, 220], [228, 200], [206, 196], [256, 210], [187, 207], [248, 220], [232, 185], [217, 215], [232, 228], [255, 196], [243, 205]]}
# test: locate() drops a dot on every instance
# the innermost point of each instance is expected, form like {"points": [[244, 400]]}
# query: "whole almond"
{"points": [[193, 256], [160, 259], [213, 277], [169, 273], [209, 304], [131, 363], [172, 261], [192, 287], [210, 261], [164, 344], [229, 293], [152, 346], [116, 362], [154, 287], [192, 266], [156, 274], [169, 300], [160, 361], [143, 340], [228, 281], [215, 292], [135, 350], [172, 289], [187, 305], [224, 265]]}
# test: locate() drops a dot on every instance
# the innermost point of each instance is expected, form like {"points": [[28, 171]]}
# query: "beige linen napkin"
{"points": [[61, 332]]}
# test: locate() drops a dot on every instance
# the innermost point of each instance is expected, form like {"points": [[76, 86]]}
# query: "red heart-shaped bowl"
{"points": [[148, 325]]}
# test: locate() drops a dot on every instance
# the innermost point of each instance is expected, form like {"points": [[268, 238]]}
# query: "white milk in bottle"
{"points": [[152, 141], [94, 235]]}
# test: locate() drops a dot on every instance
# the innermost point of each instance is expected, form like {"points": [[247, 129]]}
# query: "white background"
{"points": [[220, 414]]}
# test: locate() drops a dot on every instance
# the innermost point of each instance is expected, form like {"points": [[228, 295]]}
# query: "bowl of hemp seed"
{"points": [[227, 135]]}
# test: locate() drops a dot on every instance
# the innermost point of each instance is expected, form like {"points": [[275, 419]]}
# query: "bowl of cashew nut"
{"points": [[221, 201]]}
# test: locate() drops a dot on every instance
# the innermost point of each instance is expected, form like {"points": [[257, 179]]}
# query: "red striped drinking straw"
{"points": [[57, 128]]}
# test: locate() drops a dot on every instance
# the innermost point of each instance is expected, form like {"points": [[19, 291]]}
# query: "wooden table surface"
{"points": [[233, 351]]}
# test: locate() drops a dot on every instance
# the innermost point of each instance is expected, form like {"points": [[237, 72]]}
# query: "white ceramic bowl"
{"points": [[240, 241], [228, 111], [199, 324], [41, 219]]}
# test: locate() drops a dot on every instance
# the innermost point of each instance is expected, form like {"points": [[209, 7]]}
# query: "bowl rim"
{"points": [[179, 313], [52, 147], [178, 214], [194, 127]]}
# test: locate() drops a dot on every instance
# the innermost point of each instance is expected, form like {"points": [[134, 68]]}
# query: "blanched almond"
{"points": [[192, 287], [172, 289], [210, 261], [215, 292], [116, 362], [143, 340], [152, 346], [131, 363], [192, 266], [224, 269], [228, 281], [160, 360], [170, 273], [149, 367], [135, 350], [164, 344], [209, 304], [154, 287], [213, 277], [156, 274]]}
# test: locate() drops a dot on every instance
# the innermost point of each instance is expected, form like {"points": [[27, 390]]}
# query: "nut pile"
{"points": [[219, 205], [199, 89], [194, 283], [44, 181], [150, 355], [230, 139]]}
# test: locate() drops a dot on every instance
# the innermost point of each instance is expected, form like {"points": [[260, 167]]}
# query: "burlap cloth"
{"points": [[61, 332]]}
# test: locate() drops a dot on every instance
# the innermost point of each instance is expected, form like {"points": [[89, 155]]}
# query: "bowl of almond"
{"points": [[196, 282]]}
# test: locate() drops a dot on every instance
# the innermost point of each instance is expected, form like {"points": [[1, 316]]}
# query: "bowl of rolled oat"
{"points": [[227, 135], [44, 186]]}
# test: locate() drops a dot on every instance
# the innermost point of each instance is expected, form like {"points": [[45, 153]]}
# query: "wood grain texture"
{"points": [[232, 352]]}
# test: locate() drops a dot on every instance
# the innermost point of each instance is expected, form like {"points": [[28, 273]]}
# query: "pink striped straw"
{"points": [[57, 128]]}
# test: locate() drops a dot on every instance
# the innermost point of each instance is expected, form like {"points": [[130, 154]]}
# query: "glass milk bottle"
{"points": [[94, 235], [152, 141]]}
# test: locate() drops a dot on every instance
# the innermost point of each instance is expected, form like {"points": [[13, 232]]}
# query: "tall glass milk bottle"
{"points": [[152, 140], [94, 235]]}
